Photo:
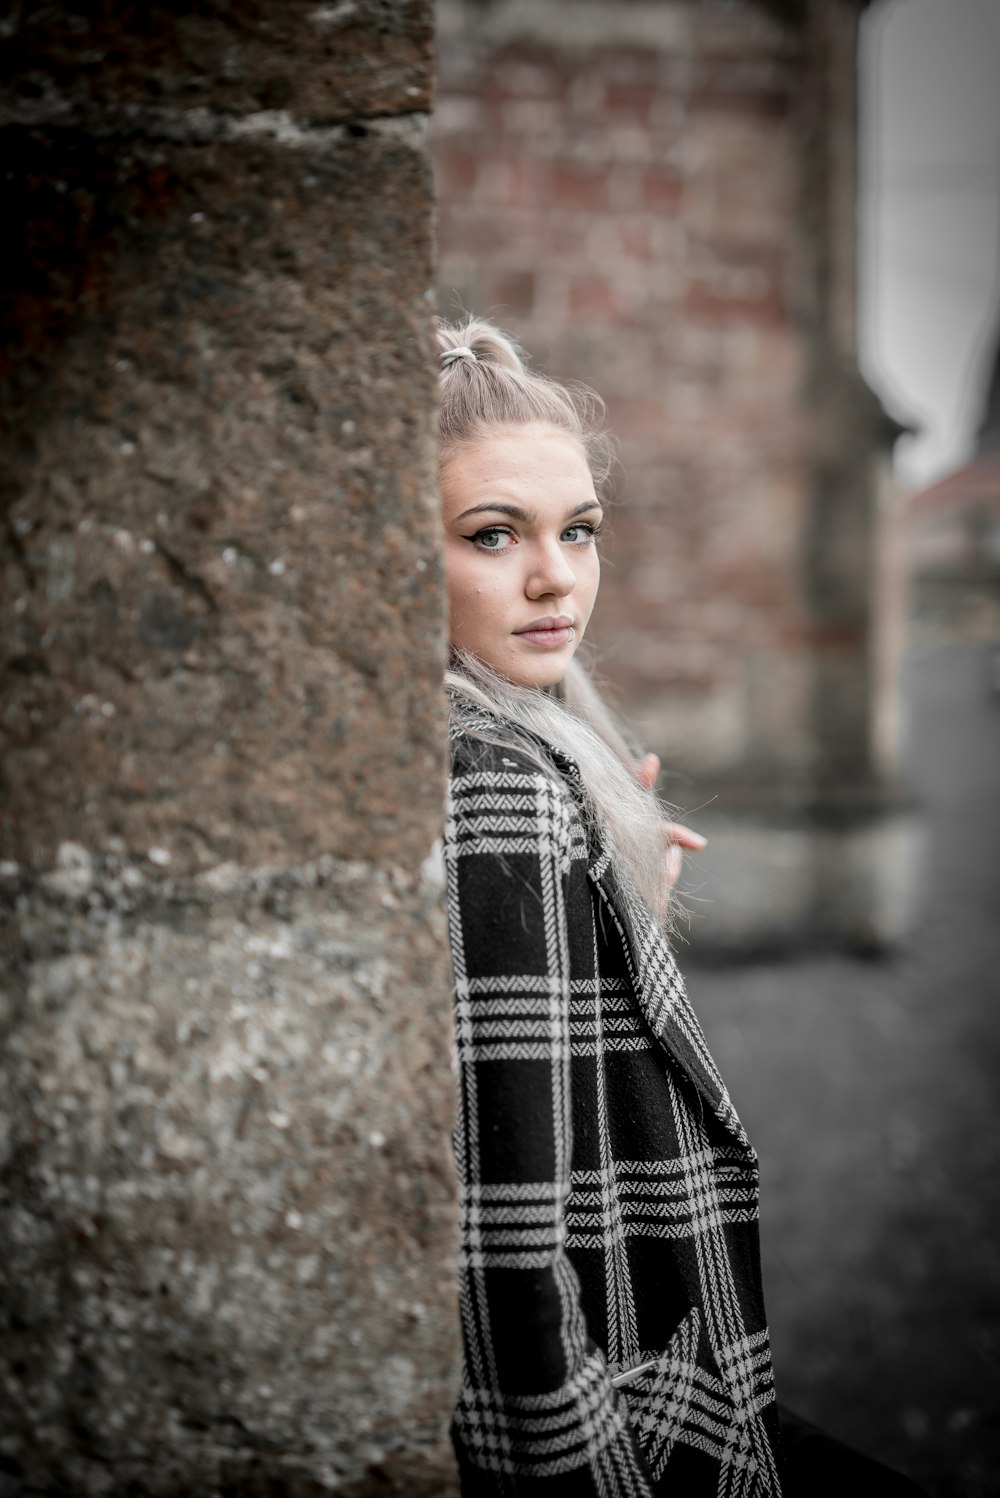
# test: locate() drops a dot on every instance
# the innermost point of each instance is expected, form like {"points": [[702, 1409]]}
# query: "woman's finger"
{"points": [[684, 837], [647, 770]]}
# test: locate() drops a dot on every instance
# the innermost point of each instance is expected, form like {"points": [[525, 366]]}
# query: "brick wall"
{"points": [[658, 199]]}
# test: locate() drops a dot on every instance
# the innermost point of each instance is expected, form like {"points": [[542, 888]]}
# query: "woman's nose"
{"points": [[550, 573]]}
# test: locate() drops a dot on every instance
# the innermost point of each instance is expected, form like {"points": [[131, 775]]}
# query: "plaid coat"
{"points": [[608, 1191]]}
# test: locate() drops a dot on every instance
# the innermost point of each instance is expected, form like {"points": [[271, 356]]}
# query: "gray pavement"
{"points": [[871, 1091]]}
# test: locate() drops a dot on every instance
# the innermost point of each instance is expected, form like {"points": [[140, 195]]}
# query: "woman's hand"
{"points": [[677, 836]]}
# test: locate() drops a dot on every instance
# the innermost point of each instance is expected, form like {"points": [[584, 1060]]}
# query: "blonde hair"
{"points": [[488, 387], [496, 388]]}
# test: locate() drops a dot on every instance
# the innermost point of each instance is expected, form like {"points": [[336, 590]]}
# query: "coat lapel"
{"points": [[663, 998], [659, 986]]}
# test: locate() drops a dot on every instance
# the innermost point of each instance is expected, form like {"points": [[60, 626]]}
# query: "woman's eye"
{"points": [[493, 538], [580, 535]]}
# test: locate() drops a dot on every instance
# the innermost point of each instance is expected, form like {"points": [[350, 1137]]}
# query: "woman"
{"points": [[614, 1327]]}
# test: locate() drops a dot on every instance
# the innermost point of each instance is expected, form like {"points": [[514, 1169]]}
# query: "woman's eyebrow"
{"points": [[498, 509], [516, 513]]}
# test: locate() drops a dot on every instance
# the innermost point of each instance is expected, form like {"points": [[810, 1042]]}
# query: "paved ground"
{"points": [[871, 1090]]}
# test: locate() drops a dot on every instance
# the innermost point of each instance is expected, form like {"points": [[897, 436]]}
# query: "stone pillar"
{"points": [[227, 1212]]}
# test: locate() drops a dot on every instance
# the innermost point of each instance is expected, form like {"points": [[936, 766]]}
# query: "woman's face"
{"points": [[520, 518]]}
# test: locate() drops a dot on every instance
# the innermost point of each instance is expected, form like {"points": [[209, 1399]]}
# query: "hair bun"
{"points": [[451, 354], [497, 389], [479, 342]]}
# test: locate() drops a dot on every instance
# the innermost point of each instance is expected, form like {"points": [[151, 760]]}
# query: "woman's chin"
{"points": [[545, 673], [524, 668]]}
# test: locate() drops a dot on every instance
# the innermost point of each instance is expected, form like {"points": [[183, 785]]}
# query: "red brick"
{"points": [[594, 298], [578, 185], [636, 239], [560, 237], [646, 237], [632, 102], [533, 74], [662, 188], [456, 170], [727, 292], [511, 291]]}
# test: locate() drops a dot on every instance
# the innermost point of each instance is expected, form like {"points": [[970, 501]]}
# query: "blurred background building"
{"points": [[953, 541], [929, 305], [716, 214], [660, 199]]}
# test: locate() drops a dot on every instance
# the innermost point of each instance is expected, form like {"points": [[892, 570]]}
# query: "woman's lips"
{"points": [[549, 636]]}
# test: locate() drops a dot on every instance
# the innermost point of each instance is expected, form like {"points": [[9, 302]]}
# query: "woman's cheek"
{"points": [[469, 610]]}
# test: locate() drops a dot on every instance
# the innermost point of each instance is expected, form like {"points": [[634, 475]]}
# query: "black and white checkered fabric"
{"points": [[609, 1194]]}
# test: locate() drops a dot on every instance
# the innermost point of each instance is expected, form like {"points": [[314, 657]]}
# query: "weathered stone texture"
{"points": [[349, 60], [222, 533], [223, 1243], [227, 1223]]}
